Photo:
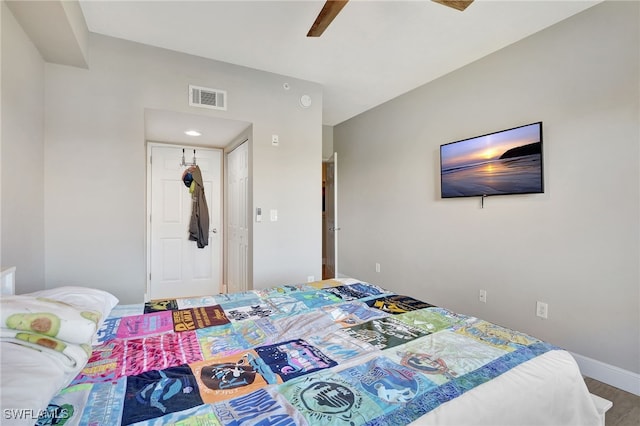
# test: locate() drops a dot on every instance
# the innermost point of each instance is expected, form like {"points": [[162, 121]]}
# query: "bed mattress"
{"points": [[339, 352]]}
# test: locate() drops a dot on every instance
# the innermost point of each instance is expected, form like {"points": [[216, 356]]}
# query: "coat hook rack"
{"points": [[193, 162]]}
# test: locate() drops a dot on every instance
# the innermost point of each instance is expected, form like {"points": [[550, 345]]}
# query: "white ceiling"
{"points": [[372, 52], [169, 126]]}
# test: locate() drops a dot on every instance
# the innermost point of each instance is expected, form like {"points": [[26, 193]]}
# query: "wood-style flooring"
{"points": [[626, 406]]}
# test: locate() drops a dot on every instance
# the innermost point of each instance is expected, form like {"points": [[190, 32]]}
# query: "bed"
{"points": [[339, 352]]}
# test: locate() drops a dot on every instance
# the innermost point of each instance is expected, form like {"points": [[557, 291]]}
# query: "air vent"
{"points": [[207, 98]]}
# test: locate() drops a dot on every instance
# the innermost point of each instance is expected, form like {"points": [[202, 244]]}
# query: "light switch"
{"points": [[274, 215], [275, 140], [258, 214]]}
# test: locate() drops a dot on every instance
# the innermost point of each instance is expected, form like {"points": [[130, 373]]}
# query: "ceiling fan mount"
{"points": [[331, 9]]}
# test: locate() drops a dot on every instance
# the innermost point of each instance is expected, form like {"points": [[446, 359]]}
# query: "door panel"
{"points": [[177, 267], [238, 219]]}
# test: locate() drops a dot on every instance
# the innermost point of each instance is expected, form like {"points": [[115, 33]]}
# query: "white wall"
{"points": [[575, 247], [95, 162], [22, 155]]}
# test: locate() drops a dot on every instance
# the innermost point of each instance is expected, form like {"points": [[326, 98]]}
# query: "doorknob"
{"points": [[214, 231], [334, 229]]}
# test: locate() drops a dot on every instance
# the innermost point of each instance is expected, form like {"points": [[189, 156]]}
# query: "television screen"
{"points": [[500, 163]]}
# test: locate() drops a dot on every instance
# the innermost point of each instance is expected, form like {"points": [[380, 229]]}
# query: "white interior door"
{"points": [[177, 267], [331, 215], [238, 219]]}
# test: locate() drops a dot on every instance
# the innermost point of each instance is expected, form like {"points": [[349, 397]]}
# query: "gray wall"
{"points": [[92, 178], [575, 247], [327, 142], [22, 155]]}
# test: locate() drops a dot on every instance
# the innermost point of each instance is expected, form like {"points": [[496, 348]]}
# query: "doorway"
{"points": [[177, 267], [330, 217]]}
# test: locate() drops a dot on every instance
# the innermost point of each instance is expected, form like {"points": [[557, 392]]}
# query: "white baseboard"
{"points": [[609, 374]]}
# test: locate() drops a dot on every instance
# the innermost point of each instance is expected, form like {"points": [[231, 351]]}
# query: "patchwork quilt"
{"points": [[337, 352]]}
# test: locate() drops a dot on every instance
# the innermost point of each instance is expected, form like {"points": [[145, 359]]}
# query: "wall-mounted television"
{"points": [[499, 163]]}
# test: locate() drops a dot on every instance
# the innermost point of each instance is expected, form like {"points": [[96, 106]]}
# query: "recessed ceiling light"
{"points": [[192, 133]]}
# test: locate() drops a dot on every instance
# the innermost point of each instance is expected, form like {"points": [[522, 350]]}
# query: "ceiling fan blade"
{"points": [[329, 11], [456, 4]]}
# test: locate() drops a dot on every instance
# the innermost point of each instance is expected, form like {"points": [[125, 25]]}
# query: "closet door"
{"points": [[178, 268], [238, 219]]}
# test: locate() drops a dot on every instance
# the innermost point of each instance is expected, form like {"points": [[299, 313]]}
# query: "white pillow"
{"points": [[81, 297]]}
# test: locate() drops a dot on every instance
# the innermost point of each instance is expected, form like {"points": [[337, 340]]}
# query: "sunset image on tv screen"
{"points": [[505, 162]]}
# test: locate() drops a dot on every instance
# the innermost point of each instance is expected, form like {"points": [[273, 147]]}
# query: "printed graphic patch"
{"points": [[222, 340], [287, 305], [157, 393], [323, 284], [497, 336], [120, 311], [369, 290], [294, 358], [257, 333], [105, 403], [339, 346], [282, 290], [384, 332], [427, 320], [300, 326], [105, 364], [444, 356], [328, 399], [144, 325], [397, 304], [346, 292], [160, 305], [196, 302], [257, 408], [317, 298], [388, 384], [352, 313], [194, 318], [254, 311], [236, 297], [128, 357], [228, 377], [160, 352]]}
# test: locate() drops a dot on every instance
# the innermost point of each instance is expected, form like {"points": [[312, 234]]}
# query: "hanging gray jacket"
{"points": [[199, 224]]}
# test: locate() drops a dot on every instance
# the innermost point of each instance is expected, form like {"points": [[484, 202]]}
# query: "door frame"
{"points": [[221, 231]]}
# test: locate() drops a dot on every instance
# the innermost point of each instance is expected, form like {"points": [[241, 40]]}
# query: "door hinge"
{"points": [[150, 159]]}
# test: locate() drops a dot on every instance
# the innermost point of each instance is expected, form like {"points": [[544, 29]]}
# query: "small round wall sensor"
{"points": [[286, 86], [305, 101]]}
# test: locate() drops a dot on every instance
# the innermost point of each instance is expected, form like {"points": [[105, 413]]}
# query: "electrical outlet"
{"points": [[377, 267], [542, 310], [311, 279], [483, 296]]}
